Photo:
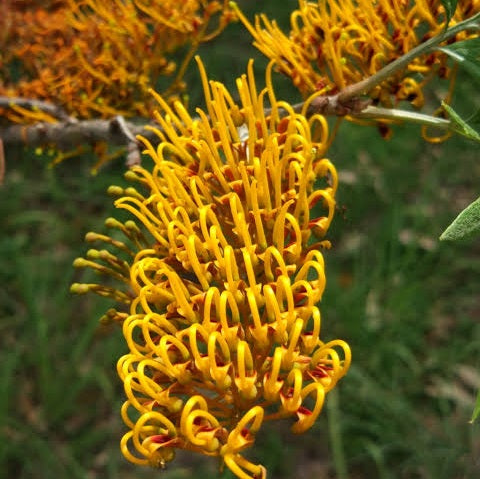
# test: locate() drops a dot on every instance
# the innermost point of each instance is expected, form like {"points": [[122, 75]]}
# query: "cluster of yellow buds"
{"points": [[223, 277], [99, 58], [336, 43]]}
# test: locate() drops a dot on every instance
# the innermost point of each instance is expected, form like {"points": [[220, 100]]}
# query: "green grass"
{"points": [[407, 305]]}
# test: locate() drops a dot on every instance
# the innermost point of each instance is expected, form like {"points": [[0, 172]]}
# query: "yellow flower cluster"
{"points": [[336, 43], [223, 328], [99, 58]]}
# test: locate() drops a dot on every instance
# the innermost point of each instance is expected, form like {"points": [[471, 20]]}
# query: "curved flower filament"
{"points": [[161, 426], [291, 351], [229, 315], [245, 374], [219, 372], [328, 367], [244, 469], [198, 425], [198, 334], [171, 346], [291, 398], [307, 417]]}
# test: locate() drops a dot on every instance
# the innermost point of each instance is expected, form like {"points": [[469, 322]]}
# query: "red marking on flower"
{"points": [[385, 130], [161, 378], [288, 394], [317, 222], [320, 372], [315, 200], [443, 72], [228, 173], [321, 84], [241, 149], [161, 438], [303, 410], [224, 200], [206, 428], [299, 296], [172, 313], [282, 126], [258, 149], [195, 24], [238, 187], [430, 60]]}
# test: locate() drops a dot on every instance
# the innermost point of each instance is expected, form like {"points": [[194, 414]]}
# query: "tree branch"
{"points": [[67, 135]]}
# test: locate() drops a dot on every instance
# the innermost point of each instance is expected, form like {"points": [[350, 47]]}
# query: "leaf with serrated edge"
{"points": [[465, 224]]}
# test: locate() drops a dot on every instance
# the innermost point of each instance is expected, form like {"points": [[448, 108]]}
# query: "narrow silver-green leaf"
{"points": [[476, 409], [466, 224], [450, 7], [460, 125], [466, 53]]}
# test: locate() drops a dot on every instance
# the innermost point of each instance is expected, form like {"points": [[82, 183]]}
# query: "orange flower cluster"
{"points": [[99, 58], [223, 278], [337, 43]]}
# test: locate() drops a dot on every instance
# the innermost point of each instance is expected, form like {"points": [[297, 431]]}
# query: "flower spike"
{"points": [[223, 278]]}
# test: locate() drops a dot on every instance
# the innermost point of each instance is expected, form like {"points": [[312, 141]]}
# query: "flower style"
{"points": [[336, 43], [223, 278], [100, 58]]}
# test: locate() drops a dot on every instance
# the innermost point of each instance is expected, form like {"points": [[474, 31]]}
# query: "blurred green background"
{"points": [[408, 305]]}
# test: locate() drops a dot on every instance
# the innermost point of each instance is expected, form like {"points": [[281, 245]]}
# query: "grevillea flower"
{"points": [[336, 43], [223, 278], [100, 58]]}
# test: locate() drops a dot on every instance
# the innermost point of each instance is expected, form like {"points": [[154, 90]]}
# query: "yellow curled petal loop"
{"points": [[306, 417], [245, 374], [219, 373], [272, 384], [291, 397]]}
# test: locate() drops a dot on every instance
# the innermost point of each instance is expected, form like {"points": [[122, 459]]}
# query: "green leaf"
{"points": [[460, 125], [465, 224], [450, 7], [466, 53], [476, 409]]}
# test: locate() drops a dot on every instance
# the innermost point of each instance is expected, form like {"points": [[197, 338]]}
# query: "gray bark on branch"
{"points": [[67, 135]]}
